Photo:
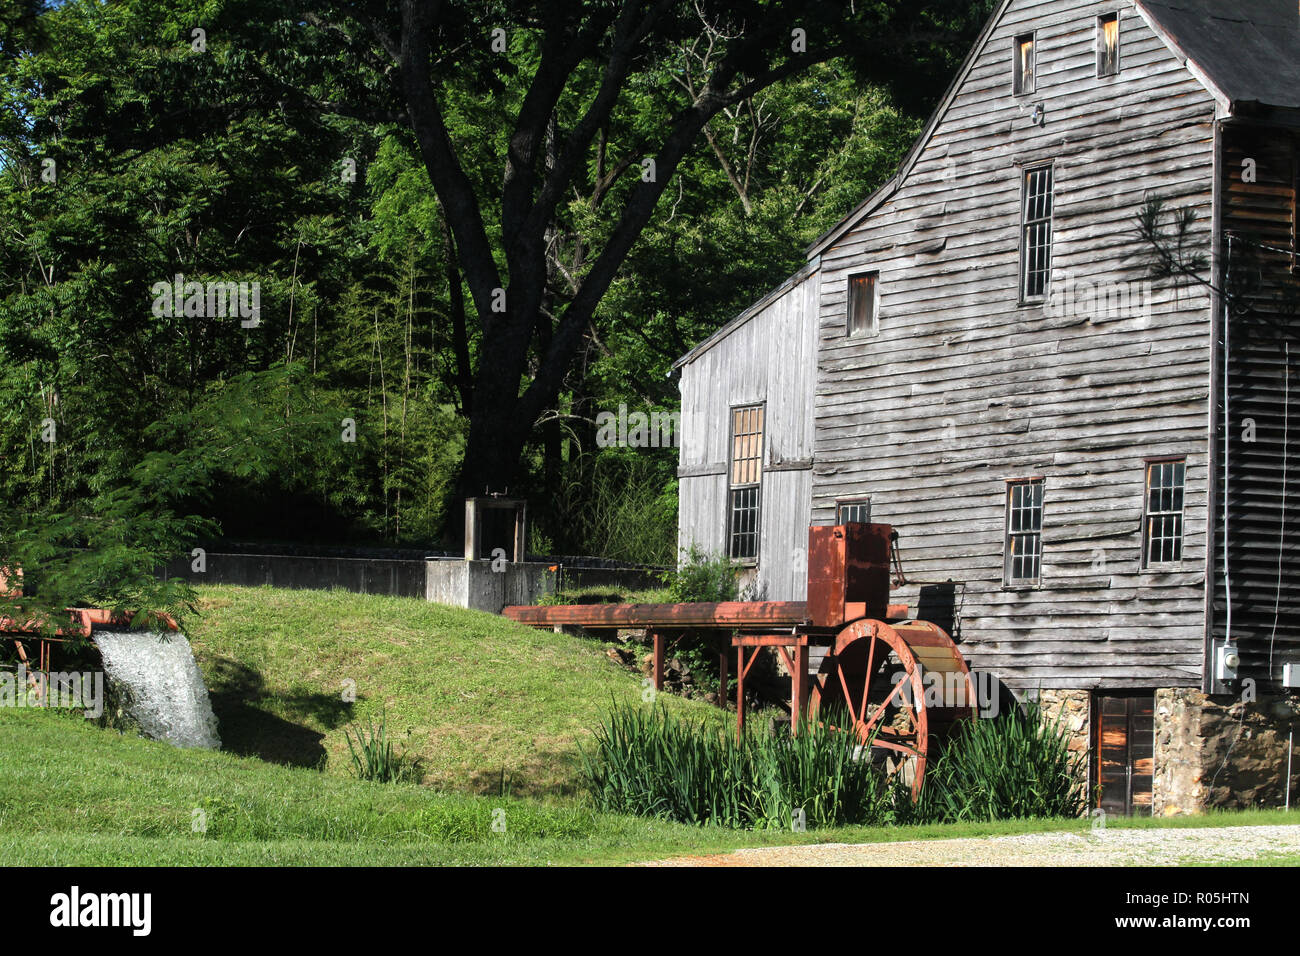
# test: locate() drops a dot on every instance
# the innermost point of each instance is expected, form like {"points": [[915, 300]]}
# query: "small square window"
{"points": [[1108, 44], [1024, 66], [1023, 553], [1162, 521], [856, 511], [863, 294]]}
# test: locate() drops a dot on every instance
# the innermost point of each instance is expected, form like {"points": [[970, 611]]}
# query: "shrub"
{"points": [[703, 577], [1010, 767], [649, 764]]}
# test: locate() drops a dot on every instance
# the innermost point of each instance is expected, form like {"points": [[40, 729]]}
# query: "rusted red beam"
{"points": [[82, 622], [702, 614]]}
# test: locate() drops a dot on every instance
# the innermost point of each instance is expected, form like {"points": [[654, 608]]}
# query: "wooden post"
{"points": [[740, 689], [658, 638], [799, 686], [722, 676], [521, 532]]}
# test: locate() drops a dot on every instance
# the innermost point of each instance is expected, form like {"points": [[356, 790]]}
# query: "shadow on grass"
{"points": [[548, 773], [248, 730]]}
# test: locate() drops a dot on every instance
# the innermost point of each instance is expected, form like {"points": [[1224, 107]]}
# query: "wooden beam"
{"points": [[700, 614]]}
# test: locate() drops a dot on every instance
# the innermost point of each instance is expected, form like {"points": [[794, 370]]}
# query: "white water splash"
{"points": [[167, 696]]}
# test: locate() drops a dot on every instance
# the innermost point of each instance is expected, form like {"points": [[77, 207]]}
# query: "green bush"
{"points": [[649, 764], [1010, 767], [703, 577]]}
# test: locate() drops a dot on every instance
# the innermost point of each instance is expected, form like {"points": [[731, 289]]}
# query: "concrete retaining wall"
{"points": [[449, 581]]}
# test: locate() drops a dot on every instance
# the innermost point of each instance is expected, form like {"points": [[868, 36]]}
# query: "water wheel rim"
{"points": [[849, 641]]}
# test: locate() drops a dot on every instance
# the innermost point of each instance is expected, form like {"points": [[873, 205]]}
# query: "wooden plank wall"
{"points": [[769, 358], [963, 389], [1263, 388]]}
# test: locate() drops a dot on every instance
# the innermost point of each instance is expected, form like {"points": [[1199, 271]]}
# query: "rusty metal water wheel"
{"points": [[874, 680]]}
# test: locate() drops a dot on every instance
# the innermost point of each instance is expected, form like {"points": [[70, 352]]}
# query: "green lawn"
{"points": [[479, 695], [72, 793]]}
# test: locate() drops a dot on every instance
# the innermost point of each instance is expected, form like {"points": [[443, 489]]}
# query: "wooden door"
{"points": [[1123, 753]]}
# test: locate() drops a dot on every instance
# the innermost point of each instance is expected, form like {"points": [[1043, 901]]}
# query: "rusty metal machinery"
{"points": [[856, 662]]}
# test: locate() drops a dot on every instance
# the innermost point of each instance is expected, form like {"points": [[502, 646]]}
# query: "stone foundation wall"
{"points": [[1074, 709], [1222, 752]]}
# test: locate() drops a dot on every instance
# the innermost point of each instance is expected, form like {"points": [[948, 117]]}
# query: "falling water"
{"points": [[165, 693]]}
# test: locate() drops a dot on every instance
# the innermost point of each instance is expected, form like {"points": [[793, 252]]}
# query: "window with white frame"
{"points": [[1023, 79], [1023, 552], [1108, 44], [744, 482], [1162, 521], [1036, 233], [857, 510]]}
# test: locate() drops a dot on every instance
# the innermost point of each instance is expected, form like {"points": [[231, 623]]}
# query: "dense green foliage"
{"points": [[703, 577], [1015, 766], [272, 150], [649, 764]]}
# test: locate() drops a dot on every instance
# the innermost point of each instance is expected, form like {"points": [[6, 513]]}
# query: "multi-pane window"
{"points": [[744, 480], [1024, 544], [849, 512], [1108, 44], [862, 303], [1036, 233], [1162, 525], [1024, 68]]}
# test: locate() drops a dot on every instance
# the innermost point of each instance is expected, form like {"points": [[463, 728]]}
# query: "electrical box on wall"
{"points": [[1291, 674], [1226, 662]]}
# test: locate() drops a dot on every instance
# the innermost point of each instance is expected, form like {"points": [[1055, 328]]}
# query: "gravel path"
{"points": [[1158, 847]]}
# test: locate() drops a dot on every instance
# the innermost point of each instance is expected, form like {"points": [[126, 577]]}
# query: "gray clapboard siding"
{"points": [[766, 356], [963, 388]]}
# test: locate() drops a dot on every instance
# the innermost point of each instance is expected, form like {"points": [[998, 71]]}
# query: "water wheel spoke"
{"points": [[875, 717], [871, 670], [844, 683]]}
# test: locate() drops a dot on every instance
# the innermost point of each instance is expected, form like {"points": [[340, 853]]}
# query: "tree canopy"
{"points": [[471, 227]]}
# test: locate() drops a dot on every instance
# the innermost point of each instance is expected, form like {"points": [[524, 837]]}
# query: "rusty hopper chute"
{"points": [[899, 684]]}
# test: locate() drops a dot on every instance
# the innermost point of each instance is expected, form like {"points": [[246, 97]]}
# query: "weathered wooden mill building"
{"points": [[984, 356]]}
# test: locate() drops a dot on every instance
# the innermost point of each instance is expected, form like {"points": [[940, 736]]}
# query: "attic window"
{"points": [[1108, 44], [863, 294], [1024, 75]]}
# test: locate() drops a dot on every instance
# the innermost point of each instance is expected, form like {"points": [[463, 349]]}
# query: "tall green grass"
{"points": [[374, 756], [1015, 766], [650, 764]]}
